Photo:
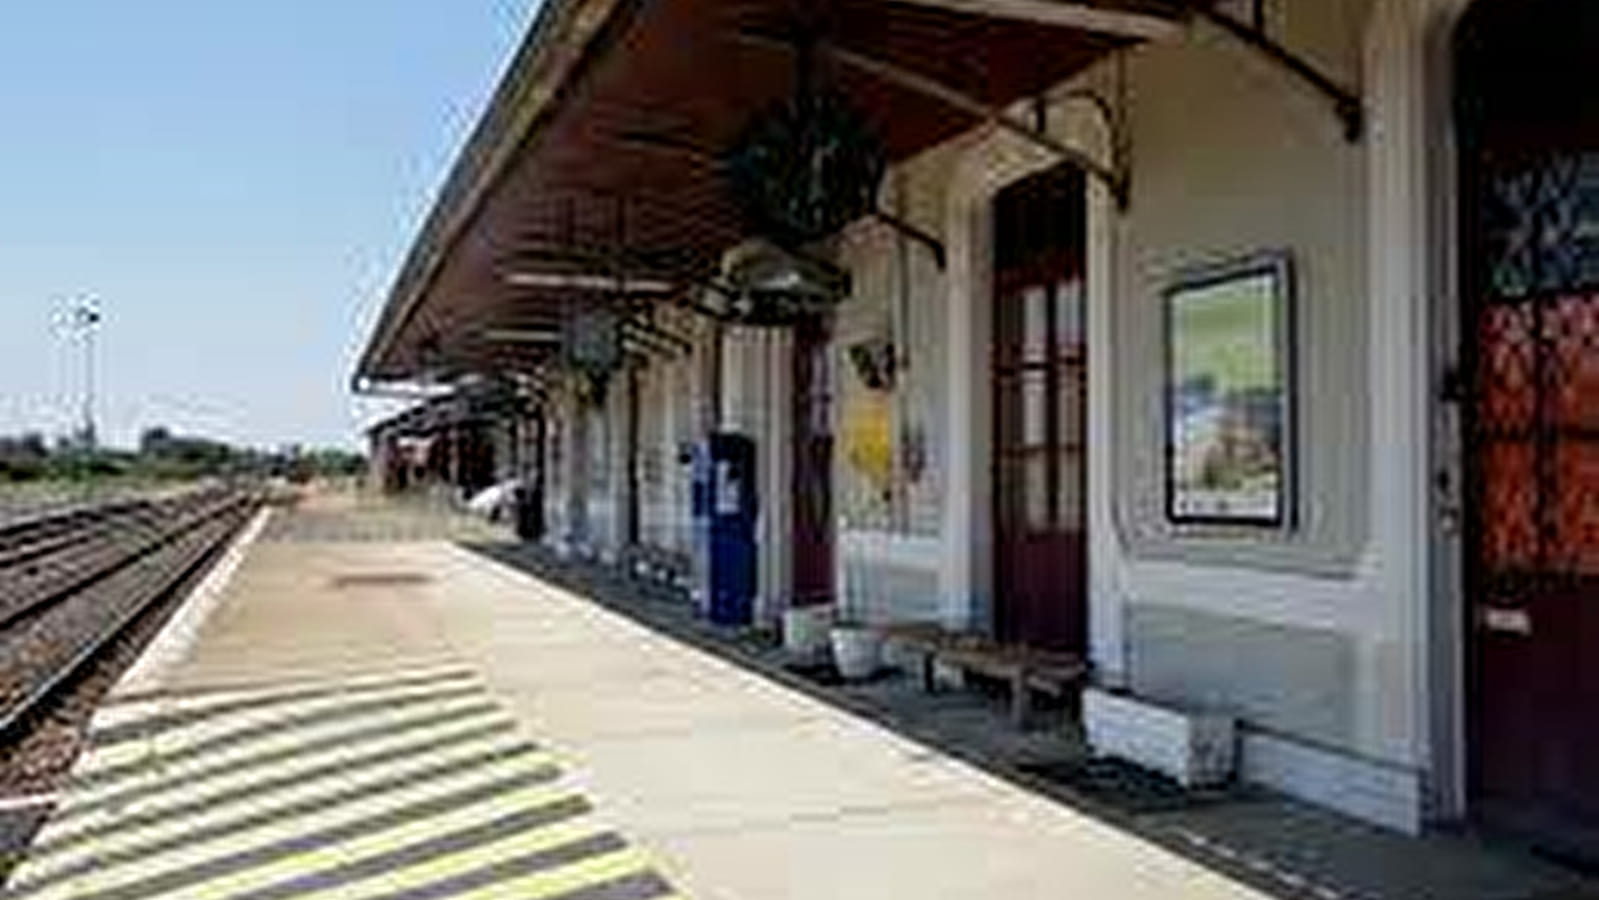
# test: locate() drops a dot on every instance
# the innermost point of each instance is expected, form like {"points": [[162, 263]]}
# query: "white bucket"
{"points": [[857, 651], [805, 631]]}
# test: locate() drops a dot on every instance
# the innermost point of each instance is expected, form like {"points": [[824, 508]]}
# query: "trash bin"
{"points": [[729, 507], [529, 513]]}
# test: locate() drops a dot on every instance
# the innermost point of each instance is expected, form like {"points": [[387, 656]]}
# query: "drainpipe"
{"points": [[631, 479]]}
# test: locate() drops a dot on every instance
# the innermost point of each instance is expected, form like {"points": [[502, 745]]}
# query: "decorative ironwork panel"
{"points": [[1538, 422], [1537, 405], [1507, 374], [1509, 505], [1573, 546], [1542, 225], [1571, 328]]}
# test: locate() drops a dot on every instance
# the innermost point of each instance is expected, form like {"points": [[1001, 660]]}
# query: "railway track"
{"points": [[71, 585]]}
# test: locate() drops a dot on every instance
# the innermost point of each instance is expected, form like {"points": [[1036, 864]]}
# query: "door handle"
{"points": [[1447, 504], [1504, 619], [1449, 515]]}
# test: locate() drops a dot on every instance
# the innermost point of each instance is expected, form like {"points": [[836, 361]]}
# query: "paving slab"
{"points": [[320, 737], [1275, 842], [369, 709], [356, 714]]}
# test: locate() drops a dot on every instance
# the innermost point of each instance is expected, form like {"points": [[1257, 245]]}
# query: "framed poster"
{"points": [[1229, 394]]}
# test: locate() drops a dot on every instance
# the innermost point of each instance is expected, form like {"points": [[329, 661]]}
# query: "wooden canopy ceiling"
{"points": [[620, 173]]}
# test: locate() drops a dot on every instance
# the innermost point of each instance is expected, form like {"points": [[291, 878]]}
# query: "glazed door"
{"points": [[813, 466], [1529, 247], [1039, 380], [1532, 314]]}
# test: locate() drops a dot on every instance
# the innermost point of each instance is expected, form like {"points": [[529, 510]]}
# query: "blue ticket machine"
{"points": [[725, 509]]}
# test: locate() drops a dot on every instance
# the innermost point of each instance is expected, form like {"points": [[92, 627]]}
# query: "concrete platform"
{"points": [[339, 687], [1274, 842]]}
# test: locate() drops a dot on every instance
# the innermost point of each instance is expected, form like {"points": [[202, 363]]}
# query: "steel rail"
{"points": [[63, 534], [181, 553], [98, 550]]}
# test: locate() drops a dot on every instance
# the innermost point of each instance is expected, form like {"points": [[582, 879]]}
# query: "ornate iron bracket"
{"points": [[1117, 134], [916, 234], [1347, 105], [918, 83]]}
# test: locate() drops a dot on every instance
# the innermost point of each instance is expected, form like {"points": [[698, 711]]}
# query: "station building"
{"points": [[459, 441], [1248, 349]]}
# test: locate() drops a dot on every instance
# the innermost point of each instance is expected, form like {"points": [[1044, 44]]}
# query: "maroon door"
{"points": [[813, 467], [1039, 378], [1533, 539], [1530, 303]]}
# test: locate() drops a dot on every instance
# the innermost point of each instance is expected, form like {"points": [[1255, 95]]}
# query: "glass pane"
{"points": [[1007, 410], [1035, 485], [1571, 334], [1506, 368], [1574, 531], [1008, 490], [1071, 409], [1035, 407], [1069, 512], [1541, 225], [1007, 329], [1509, 538], [1069, 315], [1035, 324]]}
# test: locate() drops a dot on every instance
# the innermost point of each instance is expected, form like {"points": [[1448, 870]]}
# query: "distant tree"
{"points": [[154, 440], [164, 454], [32, 445]]}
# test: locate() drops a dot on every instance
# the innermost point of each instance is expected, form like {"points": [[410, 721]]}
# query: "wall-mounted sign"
{"points": [[593, 343], [874, 360], [1229, 394]]}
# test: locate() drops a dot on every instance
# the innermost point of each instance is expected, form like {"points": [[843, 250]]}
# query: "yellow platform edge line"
{"points": [[192, 732], [272, 832], [451, 864], [394, 837], [222, 813], [284, 741]]}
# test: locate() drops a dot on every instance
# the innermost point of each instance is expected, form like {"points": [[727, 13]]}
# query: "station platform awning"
{"points": [[594, 175]]}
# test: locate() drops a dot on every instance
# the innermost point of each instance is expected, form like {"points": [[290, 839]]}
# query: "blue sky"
{"points": [[235, 183]]}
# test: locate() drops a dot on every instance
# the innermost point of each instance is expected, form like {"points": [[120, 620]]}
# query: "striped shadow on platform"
{"points": [[398, 785]]}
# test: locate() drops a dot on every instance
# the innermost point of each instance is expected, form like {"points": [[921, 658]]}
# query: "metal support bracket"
{"points": [[916, 82], [916, 234], [1347, 105]]}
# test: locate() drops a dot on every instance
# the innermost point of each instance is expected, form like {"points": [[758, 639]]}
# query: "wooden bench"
{"points": [[1026, 669]]}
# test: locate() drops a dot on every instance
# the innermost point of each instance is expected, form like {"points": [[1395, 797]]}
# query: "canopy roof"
{"points": [[597, 155]]}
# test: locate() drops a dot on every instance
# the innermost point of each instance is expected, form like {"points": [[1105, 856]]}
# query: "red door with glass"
{"points": [[812, 577], [1039, 377], [1529, 168]]}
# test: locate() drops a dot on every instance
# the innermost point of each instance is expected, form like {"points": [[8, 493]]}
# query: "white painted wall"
{"points": [[756, 399], [1230, 155], [586, 485], [669, 394], [606, 431], [887, 536], [979, 166], [569, 464]]}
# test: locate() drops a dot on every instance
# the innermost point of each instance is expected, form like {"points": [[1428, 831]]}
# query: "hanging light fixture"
{"points": [[802, 170]]}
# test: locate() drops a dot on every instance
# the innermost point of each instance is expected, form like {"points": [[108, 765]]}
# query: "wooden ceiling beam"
{"points": [[1113, 178], [1105, 20], [926, 86]]}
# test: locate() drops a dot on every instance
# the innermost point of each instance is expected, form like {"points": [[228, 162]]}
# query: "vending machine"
{"points": [[725, 510]]}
